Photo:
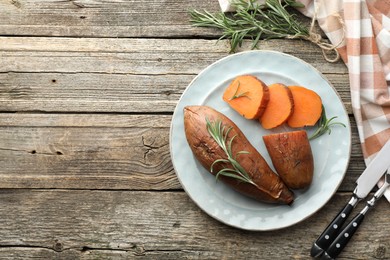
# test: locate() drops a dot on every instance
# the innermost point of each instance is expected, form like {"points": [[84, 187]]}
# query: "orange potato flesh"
{"points": [[248, 96], [280, 106], [307, 107]]}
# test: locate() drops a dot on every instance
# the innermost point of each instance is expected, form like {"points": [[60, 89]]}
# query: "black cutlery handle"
{"points": [[343, 238], [331, 232]]}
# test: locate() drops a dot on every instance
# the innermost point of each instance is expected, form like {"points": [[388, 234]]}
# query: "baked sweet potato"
{"points": [[267, 185], [292, 157]]}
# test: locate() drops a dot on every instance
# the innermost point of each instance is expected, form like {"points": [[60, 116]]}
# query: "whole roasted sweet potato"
{"points": [[263, 185], [292, 157]]}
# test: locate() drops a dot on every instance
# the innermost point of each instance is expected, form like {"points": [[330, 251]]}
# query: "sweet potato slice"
{"points": [[292, 157], [280, 106], [247, 95], [307, 107], [268, 185]]}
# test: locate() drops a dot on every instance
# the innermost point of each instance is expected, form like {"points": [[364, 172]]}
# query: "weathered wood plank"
{"points": [[71, 152], [120, 75], [99, 151], [57, 223], [137, 56], [88, 18], [111, 18], [91, 92]]}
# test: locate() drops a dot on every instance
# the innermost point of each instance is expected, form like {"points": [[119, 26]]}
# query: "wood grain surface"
{"points": [[87, 93], [140, 224]]}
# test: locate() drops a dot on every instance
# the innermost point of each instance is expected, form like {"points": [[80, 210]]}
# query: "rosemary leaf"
{"points": [[240, 170], [218, 161], [236, 95], [232, 174], [324, 125], [242, 152]]}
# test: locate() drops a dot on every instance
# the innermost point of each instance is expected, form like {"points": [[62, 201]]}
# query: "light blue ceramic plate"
{"points": [[331, 152]]}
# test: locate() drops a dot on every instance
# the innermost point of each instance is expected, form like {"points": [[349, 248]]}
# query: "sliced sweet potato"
{"points": [[247, 95], [267, 187], [279, 108], [307, 107], [292, 157]]}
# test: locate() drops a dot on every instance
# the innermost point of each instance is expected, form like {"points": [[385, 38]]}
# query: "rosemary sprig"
{"points": [[236, 95], [324, 125], [220, 134], [270, 20]]}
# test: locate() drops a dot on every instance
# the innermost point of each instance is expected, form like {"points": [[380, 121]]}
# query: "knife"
{"points": [[345, 235], [365, 183]]}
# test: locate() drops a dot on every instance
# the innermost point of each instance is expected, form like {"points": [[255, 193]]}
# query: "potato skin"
{"points": [[292, 157], [270, 188]]}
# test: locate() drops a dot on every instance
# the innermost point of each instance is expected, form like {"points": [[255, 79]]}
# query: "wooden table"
{"points": [[87, 92]]}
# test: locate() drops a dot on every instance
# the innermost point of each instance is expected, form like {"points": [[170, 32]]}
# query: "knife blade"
{"points": [[365, 183]]}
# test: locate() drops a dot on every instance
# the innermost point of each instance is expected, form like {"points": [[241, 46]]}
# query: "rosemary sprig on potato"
{"points": [[238, 95], [220, 134]]}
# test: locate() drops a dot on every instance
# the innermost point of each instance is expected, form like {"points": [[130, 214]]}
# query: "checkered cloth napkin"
{"points": [[361, 31]]}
